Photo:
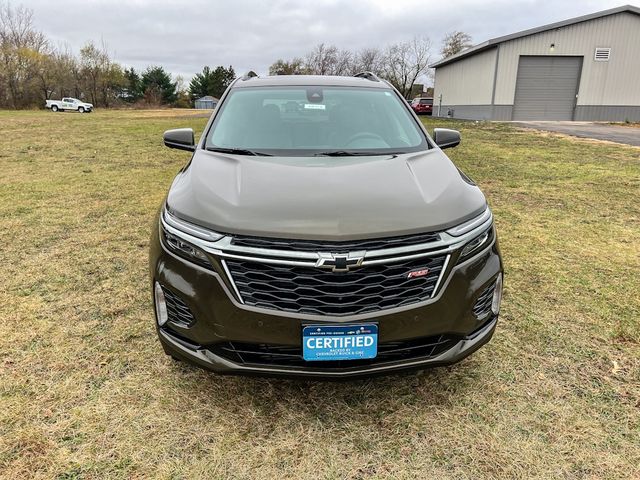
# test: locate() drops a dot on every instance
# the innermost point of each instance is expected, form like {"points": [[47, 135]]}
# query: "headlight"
{"points": [[190, 228], [185, 249], [182, 247], [476, 244], [470, 225]]}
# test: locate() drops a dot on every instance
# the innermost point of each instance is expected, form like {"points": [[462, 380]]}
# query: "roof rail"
{"points": [[249, 75], [368, 75]]}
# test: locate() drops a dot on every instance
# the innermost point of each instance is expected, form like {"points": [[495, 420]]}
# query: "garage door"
{"points": [[546, 88]]}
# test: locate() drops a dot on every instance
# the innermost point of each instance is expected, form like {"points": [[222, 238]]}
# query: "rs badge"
{"points": [[418, 273]]}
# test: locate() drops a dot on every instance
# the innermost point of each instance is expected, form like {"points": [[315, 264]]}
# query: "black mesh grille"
{"points": [[316, 291], [291, 356], [334, 247], [482, 307], [177, 310]]}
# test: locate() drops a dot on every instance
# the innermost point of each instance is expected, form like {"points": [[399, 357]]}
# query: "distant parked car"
{"points": [[69, 103], [422, 105]]}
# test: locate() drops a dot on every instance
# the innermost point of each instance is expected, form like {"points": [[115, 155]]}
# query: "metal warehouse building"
{"points": [[585, 68]]}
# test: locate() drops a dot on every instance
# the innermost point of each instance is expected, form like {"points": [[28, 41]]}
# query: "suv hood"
{"points": [[324, 198]]}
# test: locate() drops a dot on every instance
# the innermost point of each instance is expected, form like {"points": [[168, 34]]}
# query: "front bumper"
{"points": [[220, 318], [207, 359]]}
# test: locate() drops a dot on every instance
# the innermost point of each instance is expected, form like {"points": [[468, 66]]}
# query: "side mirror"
{"points": [[180, 138], [446, 138]]}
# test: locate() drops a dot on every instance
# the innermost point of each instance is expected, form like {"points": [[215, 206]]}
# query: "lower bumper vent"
{"points": [[178, 311], [291, 356], [482, 307]]}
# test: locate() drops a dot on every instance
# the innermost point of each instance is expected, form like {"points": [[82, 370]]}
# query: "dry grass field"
{"points": [[87, 393]]}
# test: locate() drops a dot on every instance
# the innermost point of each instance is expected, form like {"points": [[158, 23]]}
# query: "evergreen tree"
{"points": [[157, 86], [132, 91], [211, 82]]}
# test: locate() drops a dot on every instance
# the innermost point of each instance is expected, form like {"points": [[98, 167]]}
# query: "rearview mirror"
{"points": [[446, 138], [180, 138]]}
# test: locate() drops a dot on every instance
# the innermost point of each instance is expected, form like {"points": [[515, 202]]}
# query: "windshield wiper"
{"points": [[346, 153], [238, 151]]}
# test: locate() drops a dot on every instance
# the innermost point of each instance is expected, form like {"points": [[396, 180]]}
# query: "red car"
{"points": [[422, 105]]}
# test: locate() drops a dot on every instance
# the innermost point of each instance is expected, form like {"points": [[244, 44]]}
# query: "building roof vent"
{"points": [[602, 54]]}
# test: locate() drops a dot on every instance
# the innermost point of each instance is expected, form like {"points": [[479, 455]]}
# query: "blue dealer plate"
{"points": [[339, 342]]}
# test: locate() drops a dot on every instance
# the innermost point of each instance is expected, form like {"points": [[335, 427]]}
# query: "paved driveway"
{"points": [[598, 131]]}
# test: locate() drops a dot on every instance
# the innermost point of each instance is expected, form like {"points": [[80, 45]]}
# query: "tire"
{"points": [[81, 109], [54, 108]]}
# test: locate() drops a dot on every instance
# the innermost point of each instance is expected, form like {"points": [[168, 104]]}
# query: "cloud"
{"points": [[252, 34]]}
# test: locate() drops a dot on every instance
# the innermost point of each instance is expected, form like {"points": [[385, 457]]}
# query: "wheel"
{"points": [[81, 109], [54, 108]]}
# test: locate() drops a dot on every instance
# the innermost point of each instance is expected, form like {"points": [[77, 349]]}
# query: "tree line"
{"points": [[402, 64], [33, 70]]}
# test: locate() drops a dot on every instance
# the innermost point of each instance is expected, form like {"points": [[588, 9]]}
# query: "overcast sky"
{"points": [[183, 36]]}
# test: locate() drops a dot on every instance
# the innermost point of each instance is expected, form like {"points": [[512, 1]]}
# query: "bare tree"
{"points": [[94, 62], [343, 63], [455, 42], [102, 78], [369, 60], [405, 62], [320, 59], [21, 50], [328, 60], [46, 74], [402, 63], [292, 67]]}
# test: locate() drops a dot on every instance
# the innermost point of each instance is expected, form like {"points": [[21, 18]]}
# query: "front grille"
{"points": [[334, 247], [315, 291], [178, 311], [482, 307], [291, 356]]}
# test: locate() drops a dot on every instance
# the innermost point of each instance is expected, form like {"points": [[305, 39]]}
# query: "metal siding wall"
{"points": [[467, 112], [502, 112], [615, 82], [468, 82], [608, 113]]}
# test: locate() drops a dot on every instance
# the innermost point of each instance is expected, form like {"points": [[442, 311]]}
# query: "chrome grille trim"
{"points": [[334, 246], [233, 283], [225, 249], [442, 274], [317, 291]]}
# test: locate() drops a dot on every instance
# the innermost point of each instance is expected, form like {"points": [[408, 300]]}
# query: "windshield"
{"points": [[306, 121]]}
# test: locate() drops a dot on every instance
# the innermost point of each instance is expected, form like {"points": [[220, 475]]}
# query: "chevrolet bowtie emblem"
{"points": [[340, 262]]}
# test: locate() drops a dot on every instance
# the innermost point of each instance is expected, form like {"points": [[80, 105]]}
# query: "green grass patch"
{"points": [[86, 392]]}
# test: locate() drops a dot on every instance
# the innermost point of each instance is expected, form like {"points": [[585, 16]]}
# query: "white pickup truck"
{"points": [[69, 103]]}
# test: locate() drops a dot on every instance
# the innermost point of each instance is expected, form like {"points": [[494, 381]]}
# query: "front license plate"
{"points": [[339, 342]]}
